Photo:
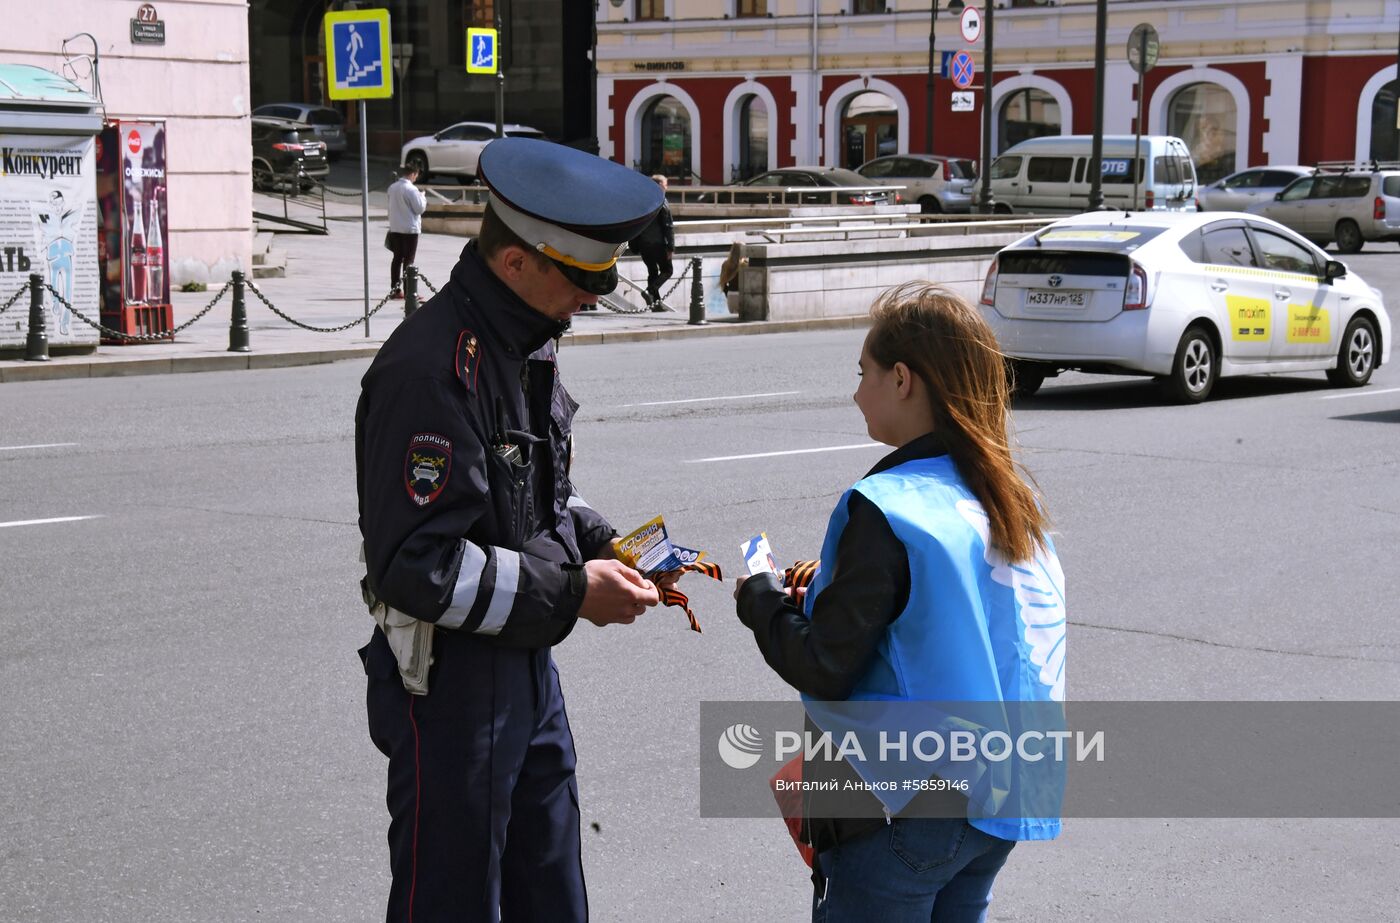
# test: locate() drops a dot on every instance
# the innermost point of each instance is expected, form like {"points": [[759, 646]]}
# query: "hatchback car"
{"points": [[1186, 297], [283, 158], [938, 184], [1239, 190], [816, 178], [318, 123], [455, 150], [1349, 208]]}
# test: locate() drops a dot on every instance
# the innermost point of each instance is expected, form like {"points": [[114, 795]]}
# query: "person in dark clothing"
{"points": [[937, 583], [656, 245], [481, 554]]}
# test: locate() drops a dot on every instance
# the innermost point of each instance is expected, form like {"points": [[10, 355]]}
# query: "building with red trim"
{"points": [[721, 89]]}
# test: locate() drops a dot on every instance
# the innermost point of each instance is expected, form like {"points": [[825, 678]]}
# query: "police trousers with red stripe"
{"points": [[481, 793]]}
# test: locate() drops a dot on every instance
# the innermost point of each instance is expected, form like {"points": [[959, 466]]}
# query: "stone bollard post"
{"points": [[238, 322], [697, 294], [36, 345], [410, 289]]}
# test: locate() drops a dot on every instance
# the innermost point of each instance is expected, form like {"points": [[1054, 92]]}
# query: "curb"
{"points": [[96, 367]]}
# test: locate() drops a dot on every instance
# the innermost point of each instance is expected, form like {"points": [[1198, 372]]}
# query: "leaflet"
{"points": [[649, 549], [758, 555]]}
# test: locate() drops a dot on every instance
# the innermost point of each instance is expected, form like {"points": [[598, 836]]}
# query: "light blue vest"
{"points": [[977, 631]]}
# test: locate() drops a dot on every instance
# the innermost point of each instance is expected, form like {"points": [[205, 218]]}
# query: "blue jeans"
{"points": [[930, 870]]}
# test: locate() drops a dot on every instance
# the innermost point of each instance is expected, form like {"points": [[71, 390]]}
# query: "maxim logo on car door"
{"points": [[1249, 318]]}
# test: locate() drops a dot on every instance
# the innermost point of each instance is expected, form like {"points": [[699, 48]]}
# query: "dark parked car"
{"points": [[283, 158], [317, 123], [821, 179]]}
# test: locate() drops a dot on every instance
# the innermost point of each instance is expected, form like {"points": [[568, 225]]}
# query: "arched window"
{"points": [[666, 138], [1204, 116], [753, 137], [1027, 113], [1385, 130], [869, 128]]}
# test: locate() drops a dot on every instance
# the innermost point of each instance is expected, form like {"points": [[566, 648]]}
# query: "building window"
{"points": [[861, 7], [869, 129], [1385, 129], [1203, 115], [666, 138], [482, 14], [751, 8], [651, 9], [1028, 113], [753, 137]]}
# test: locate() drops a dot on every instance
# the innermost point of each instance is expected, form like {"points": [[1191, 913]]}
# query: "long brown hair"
{"points": [[944, 340]]}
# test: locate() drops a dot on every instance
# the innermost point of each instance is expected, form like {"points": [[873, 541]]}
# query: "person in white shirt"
{"points": [[406, 205]]}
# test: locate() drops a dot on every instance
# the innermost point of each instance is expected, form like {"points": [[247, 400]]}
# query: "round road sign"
{"points": [[962, 70], [1143, 48], [971, 24]]}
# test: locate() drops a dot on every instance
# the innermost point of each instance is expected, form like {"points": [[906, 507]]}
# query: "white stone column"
{"points": [[1283, 107]]}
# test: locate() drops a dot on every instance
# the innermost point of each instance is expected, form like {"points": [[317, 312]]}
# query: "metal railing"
{"points": [[303, 199], [770, 195], [951, 228]]}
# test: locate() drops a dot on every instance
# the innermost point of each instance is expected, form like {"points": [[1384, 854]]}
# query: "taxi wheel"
{"points": [[1195, 370], [1024, 378], [1348, 235], [1357, 358]]}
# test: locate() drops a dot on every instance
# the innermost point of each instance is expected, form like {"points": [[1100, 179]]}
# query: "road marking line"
{"points": [[40, 522], [832, 448], [1334, 397], [48, 445], [700, 400]]}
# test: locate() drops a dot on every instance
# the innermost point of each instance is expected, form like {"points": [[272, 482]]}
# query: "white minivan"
{"points": [[1051, 174]]}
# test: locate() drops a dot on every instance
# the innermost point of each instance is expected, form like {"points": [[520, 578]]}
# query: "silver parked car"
{"points": [[1238, 191], [314, 122], [938, 184], [1350, 208]]}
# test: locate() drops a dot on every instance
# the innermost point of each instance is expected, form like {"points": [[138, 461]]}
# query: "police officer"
{"points": [[481, 555]]}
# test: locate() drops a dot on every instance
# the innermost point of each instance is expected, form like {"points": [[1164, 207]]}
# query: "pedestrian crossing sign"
{"points": [[482, 47], [357, 55]]}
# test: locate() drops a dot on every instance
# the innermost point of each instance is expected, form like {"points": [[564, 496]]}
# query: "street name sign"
{"points": [[358, 62]]}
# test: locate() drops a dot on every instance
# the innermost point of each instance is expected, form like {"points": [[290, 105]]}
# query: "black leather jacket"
{"points": [[459, 529]]}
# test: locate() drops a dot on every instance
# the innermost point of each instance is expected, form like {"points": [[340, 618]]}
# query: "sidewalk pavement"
{"points": [[324, 287]]}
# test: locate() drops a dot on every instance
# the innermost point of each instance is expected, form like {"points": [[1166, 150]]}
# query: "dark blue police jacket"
{"points": [[462, 455]]}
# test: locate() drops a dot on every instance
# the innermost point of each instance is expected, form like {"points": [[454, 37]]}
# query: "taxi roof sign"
{"points": [[357, 55], [483, 47]]}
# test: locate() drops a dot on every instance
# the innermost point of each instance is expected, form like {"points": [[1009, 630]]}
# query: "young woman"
{"points": [[938, 583]]}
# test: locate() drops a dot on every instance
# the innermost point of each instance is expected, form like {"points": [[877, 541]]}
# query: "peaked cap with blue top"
{"points": [[577, 209]]}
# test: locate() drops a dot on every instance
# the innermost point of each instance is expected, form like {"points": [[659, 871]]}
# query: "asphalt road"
{"points": [[183, 731]]}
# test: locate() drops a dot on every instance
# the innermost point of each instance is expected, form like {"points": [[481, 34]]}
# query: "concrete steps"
{"points": [[268, 263]]}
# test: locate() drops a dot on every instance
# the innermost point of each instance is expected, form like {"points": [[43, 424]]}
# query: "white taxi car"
{"points": [[1187, 297]]}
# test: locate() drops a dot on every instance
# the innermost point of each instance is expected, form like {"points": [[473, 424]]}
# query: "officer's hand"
{"points": [[615, 594]]}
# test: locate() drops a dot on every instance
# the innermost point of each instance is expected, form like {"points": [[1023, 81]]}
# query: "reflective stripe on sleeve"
{"points": [[503, 592], [468, 586], [577, 502]]}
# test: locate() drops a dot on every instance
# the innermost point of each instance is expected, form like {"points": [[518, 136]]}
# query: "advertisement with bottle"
{"points": [[48, 225], [131, 193]]}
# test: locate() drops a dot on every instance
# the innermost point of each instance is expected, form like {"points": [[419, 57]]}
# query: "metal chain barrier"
{"points": [[135, 337], [621, 308], [424, 279], [13, 298], [296, 323]]}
